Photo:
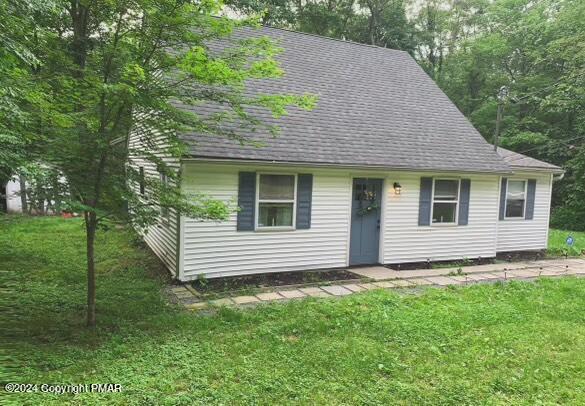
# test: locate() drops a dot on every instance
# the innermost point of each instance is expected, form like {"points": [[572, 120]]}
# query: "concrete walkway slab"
{"points": [[292, 294], [485, 276], [314, 292], [374, 272], [222, 302], [494, 267], [403, 283], [369, 286], [524, 273], [354, 288], [421, 281], [269, 296], [245, 299], [551, 271], [576, 271], [443, 281], [461, 278], [197, 306], [384, 284], [336, 290]]}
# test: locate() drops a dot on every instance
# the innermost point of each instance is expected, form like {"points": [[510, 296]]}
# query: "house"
{"points": [[385, 170]]}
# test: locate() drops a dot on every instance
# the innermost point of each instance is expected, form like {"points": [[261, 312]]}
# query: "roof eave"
{"points": [[342, 165], [555, 170]]}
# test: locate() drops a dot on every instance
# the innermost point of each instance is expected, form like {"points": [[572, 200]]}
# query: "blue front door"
{"points": [[365, 221]]}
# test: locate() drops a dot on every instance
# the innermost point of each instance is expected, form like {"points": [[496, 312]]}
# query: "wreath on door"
{"points": [[371, 203]]}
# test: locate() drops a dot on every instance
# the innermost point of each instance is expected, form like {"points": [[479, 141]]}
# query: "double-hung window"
{"points": [[445, 201], [515, 198], [276, 201]]}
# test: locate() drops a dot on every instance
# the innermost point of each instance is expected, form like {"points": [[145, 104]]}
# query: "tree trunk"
{"points": [[23, 201], [90, 229]]}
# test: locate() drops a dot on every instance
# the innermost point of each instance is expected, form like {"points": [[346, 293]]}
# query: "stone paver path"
{"points": [[379, 277]]}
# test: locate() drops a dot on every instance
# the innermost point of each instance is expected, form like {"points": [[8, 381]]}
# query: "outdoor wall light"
{"points": [[397, 188]]}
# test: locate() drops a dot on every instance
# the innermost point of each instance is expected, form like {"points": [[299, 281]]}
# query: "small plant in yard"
{"points": [[202, 280], [458, 272]]}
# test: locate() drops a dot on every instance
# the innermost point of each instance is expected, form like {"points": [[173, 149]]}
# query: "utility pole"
{"points": [[502, 96]]}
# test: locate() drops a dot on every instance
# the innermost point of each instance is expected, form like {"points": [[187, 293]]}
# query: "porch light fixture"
{"points": [[397, 188]]}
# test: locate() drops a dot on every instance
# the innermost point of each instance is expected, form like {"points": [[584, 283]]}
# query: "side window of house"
{"points": [[445, 201], [276, 201], [515, 198], [164, 211]]}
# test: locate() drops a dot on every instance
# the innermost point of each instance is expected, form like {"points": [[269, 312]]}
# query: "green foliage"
{"points": [[376, 22], [513, 343], [46, 189], [536, 50], [23, 104], [557, 243], [121, 58]]}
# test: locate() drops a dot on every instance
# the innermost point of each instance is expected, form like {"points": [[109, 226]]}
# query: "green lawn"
{"points": [[520, 343]]}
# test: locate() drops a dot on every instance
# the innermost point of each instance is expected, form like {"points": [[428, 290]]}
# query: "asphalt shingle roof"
{"points": [[519, 161], [376, 108]]}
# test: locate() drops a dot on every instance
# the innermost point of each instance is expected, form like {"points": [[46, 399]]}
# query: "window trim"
{"points": [[455, 222], [257, 227], [523, 217]]}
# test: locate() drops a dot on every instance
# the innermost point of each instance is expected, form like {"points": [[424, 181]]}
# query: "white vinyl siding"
{"points": [[162, 237], [518, 234], [406, 241], [217, 249]]}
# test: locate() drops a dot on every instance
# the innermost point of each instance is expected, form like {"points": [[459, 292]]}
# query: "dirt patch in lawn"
{"points": [[268, 280]]}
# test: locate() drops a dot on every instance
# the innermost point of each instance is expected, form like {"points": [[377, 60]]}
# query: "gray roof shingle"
{"points": [[376, 108], [519, 161]]}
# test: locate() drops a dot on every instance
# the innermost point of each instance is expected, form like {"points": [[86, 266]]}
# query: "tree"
{"points": [[18, 96], [536, 49], [376, 22], [105, 63]]}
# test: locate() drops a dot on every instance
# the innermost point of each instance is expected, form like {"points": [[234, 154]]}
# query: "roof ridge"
{"points": [[333, 39]]}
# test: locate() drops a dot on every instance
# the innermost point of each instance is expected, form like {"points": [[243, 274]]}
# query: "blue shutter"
{"points": [[424, 204], [503, 191], [246, 201], [530, 195], [304, 200], [464, 194]]}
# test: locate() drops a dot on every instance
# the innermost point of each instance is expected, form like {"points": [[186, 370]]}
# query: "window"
{"points": [[141, 180], [445, 201], [276, 201], [164, 211], [515, 198]]}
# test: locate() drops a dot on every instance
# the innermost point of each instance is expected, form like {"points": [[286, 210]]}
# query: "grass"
{"points": [[557, 242], [519, 343]]}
